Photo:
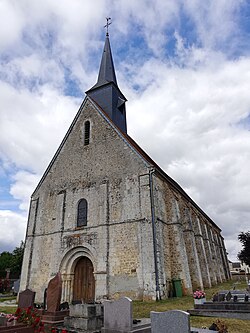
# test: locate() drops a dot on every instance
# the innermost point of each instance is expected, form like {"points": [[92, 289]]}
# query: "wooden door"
{"points": [[84, 281]]}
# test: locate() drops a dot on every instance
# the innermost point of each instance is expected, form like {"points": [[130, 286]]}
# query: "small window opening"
{"points": [[121, 108], [86, 133], [121, 105], [82, 213]]}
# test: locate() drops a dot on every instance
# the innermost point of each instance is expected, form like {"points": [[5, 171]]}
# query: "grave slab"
{"points": [[19, 328]]}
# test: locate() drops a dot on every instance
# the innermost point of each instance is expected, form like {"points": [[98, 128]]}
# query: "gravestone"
{"points": [[3, 321], [16, 287], [228, 296], [118, 318], [54, 293], [170, 321], [246, 298], [215, 297], [26, 298], [235, 298], [118, 314], [221, 297], [45, 299], [52, 315], [240, 295]]}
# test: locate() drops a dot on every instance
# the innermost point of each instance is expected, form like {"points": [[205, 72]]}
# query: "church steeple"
{"points": [[107, 69], [106, 92]]}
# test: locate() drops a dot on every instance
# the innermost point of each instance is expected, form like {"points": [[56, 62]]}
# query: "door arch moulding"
{"points": [[67, 269]]}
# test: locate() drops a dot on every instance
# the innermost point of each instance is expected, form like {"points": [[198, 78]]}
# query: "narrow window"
{"points": [[82, 213], [86, 132]]}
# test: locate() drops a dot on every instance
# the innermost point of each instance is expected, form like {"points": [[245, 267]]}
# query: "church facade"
{"points": [[109, 219]]}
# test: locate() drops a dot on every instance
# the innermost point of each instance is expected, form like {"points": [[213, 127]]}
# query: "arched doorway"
{"points": [[84, 281]]}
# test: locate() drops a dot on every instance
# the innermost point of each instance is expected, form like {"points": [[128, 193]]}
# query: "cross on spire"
{"points": [[107, 25]]}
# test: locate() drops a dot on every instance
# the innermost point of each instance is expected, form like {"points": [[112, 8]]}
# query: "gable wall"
{"points": [[107, 173]]}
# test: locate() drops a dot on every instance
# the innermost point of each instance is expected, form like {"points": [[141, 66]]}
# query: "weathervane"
{"points": [[107, 25]]}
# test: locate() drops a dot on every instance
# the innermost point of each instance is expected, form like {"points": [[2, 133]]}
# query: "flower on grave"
{"points": [[41, 328], [54, 330], [29, 317], [10, 317], [199, 294], [220, 326]]}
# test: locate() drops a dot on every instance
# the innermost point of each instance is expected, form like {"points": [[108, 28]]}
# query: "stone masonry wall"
{"points": [[189, 252], [109, 175]]}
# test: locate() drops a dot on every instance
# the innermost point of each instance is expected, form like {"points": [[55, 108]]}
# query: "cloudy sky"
{"points": [[184, 67]]}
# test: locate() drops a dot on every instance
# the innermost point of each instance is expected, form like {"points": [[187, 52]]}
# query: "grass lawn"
{"points": [[7, 309], [142, 309]]}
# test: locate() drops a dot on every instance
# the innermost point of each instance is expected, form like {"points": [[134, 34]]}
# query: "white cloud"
{"points": [[32, 71], [188, 109], [28, 136], [12, 24], [216, 21], [23, 183], [13, 228]]}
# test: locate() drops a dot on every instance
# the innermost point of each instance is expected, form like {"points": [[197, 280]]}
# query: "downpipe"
{"points": [[151, 172]]}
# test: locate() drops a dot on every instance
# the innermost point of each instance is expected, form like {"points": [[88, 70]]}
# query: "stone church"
{"points": [[109, 219]]}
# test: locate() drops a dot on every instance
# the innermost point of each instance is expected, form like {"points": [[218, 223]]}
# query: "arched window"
{"points": [[82, 212], [86, 132]]}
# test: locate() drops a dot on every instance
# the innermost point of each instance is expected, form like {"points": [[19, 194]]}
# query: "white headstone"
{"points": [[118, 314], [174, 321]]}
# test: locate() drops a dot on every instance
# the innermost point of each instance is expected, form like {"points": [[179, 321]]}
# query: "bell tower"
{"points": [[106, 92]]}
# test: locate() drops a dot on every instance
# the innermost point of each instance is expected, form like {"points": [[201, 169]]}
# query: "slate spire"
{"points": [[106, 92], [107, 68]]}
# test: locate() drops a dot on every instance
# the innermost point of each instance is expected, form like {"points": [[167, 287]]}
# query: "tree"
{"points": [[13, 261], [17, 260], [5, 262], [244, 254]]}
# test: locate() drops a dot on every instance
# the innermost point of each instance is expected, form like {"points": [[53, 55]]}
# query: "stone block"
{"points": [[82, 323], [85, 317], [86, 310], [55, 316]]}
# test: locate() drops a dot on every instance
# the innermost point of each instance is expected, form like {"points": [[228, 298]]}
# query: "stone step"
{"points": [[145, 329], [244, 315], [224, 306]]}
